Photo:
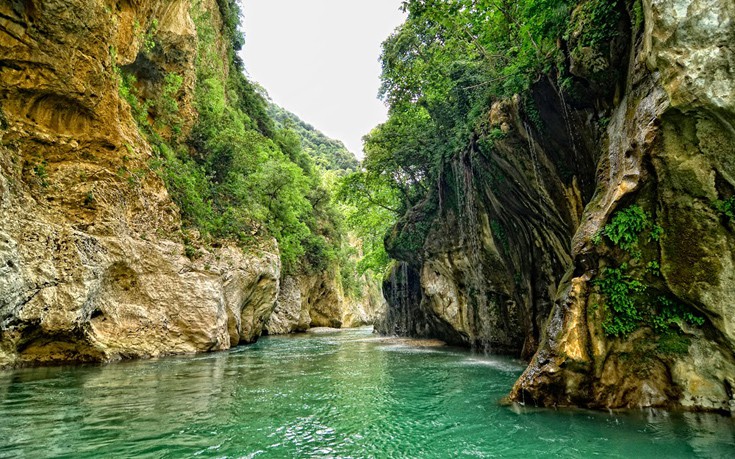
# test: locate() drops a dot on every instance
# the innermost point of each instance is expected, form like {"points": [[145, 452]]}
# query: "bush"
{"points": [[725, 208], [623, 314], [630, 304], [237, 176], [596, 22]]}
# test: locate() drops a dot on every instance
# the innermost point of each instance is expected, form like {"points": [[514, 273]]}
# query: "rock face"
{"points": [[670, 149], [307, 301], [501, 223], [91, 259], [520, 255], [291, 313]]}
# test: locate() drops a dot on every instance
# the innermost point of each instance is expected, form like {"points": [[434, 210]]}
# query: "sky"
{"points": [[320, 60]]}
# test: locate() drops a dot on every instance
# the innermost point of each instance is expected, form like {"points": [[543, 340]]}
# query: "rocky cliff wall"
{"points": [[92, 264], [501, 221], [608, 203], [307, 301], [669, 150]]}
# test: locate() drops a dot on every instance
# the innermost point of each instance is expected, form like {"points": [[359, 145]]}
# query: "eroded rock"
{"points": [[93, 264], [307, 301], [670, 148]]}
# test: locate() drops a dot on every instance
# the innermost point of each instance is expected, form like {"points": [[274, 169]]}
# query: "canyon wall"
{"points": [[95, 264], [669, 150], [597, 230], [307, 301], [498, 241], [92, 263]]}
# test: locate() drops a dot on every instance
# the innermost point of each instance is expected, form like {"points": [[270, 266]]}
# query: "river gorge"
{"points": [[541, 233]]}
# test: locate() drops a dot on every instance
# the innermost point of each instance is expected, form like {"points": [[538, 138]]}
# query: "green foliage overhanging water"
{"points": [[441, 71]]}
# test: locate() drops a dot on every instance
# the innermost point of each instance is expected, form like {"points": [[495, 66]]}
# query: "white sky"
{"points": [[319, 59]]}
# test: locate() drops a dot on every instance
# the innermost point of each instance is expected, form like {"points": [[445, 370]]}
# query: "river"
{"points": [[347, 394]]}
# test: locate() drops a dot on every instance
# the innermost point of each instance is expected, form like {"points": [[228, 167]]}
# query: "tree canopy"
{"points": [[441, 71]]}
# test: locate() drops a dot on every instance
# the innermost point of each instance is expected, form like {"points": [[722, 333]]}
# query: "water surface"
{"points": [[348, 394]]}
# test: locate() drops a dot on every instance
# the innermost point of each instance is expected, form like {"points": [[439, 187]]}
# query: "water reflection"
{"points": [[347, 394]]}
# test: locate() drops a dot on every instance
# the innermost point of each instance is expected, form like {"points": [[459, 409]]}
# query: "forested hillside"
{"points": [[237, 173], [328, 154]]}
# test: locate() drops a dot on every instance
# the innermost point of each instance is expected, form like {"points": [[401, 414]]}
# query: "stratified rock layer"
{"points": [[91, 261], [671, 148], [514, 242]]}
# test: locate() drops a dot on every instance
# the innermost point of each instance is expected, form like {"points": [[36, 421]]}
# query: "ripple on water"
{"points": [[407, 349], [504, 365], [334, 394]]}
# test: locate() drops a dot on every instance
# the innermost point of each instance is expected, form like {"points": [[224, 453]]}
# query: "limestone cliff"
{"points": [[501, 221], [306, 301], [597, 232], [92, 263], [669, 149]]}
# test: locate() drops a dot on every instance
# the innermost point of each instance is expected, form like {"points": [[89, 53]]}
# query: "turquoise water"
{"points": [[344, 394]]}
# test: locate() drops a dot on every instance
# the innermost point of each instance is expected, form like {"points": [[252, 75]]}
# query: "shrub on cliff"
{"points": [[441, 70], [238, 174]]}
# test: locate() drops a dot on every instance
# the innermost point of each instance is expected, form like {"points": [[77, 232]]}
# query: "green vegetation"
{"points": [[595, 23], [499, 233], [626, 227], [39, 170], [726, 208], [148, 42], [671, 313], [371, 209], [411, 238], [441, 71], [328, 154], [168, 107], [673, 343], [638, 16], [620, 291], [89, 198], [631, 301], [653, 268], [532, 113], [238, 174]]}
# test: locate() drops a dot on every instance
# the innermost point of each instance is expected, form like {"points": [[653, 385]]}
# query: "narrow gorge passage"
{"points": [[535, 215], [336, 394]]}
